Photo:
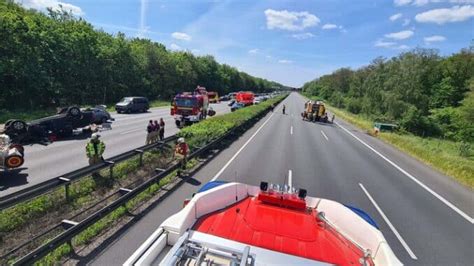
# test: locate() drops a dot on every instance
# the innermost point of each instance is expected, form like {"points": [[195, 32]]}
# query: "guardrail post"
{"points": [[140, 154], [111, 168], [67, 183]]}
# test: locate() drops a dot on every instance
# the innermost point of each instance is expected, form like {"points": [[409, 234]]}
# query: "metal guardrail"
{"points": [[65, 179], [77, 228]]}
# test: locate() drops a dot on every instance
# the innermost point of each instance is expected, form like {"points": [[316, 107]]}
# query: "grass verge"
{"points": [[444, 155]]}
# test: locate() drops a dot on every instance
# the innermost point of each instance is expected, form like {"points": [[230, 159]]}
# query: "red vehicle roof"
{"points": [[291, 229]]}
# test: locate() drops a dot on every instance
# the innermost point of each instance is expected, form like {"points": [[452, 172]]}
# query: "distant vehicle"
{"points": [[190, 107], [224, 98], [100, 114], [237, 106], [62, 125], [315, 111], [232, 95], [132, 104], [245, 97], [11, 155], [213, 97]]}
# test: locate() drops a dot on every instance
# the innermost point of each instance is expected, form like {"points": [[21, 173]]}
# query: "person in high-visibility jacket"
{"points": [[95, 148], [181, 151]]}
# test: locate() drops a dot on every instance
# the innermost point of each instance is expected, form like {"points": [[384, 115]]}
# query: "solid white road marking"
{"points": [[394, 230], [449, 204], [291, 130], [241, 148], [130, 131], [326, 137], [290, 178]]}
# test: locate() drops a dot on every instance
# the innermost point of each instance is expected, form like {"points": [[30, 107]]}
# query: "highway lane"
{"points": [[331, 163], [128, 132]]}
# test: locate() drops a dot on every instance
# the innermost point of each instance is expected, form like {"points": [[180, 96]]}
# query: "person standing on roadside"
{"points": [[95, 148], [149, 135], [162, 129], [156, 131]]}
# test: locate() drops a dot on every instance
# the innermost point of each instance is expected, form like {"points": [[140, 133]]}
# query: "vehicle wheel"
{"points": [[74, 112], [16, 126], [14, 161], [128, 111]]}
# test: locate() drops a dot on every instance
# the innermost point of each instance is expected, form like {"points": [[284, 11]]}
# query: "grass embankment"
{"points": [[197, 135], [451, 158], [28, 115]]}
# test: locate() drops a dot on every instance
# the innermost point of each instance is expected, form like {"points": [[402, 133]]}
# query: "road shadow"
{"points": [[13, 178]]}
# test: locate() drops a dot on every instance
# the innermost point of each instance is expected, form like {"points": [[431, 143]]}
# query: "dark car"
{"points": [[62, 124], [224, 98], [132, 104], [100, 114]]}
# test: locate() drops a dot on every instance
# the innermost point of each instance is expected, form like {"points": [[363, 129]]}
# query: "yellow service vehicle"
{"points": [[315, 111]]}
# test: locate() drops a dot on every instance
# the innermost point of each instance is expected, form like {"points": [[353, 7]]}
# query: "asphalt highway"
{"points": [[50, 161], [426, 217]]}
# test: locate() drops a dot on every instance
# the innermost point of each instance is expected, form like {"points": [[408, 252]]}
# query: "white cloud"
{"points": [[406, 22], [181, 36], [385, 44], [42, 5], [175, 47], [329, 26], [253, 51], [434, 38], [303, 36], [403, 47], [288, 20], [284, 61], [402, 35], [401, 2], [445, 15], [396, 16]]}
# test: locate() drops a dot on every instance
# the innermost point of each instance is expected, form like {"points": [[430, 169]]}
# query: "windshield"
{"points": [[185, 102], [126, 100]]}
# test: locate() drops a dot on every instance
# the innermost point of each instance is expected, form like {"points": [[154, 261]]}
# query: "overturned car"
{"points": [[62, 125], [11, 155]]}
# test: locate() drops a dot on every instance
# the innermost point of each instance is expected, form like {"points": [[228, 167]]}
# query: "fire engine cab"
{"points": [[191, 107]]}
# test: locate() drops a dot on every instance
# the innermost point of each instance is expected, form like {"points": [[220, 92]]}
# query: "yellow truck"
{"points": [[315, 111]]}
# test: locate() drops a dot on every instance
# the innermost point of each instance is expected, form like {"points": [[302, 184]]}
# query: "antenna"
{"points": [[235, 180]]}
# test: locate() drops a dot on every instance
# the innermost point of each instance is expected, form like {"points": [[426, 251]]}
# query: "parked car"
{"points": [[237, 106], [132, 104], [100, 114], [11, 155], [62, 124], [224, 98]]}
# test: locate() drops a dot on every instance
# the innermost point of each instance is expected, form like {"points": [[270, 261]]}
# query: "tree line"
{"points": [[52, 59], [425, 93]]}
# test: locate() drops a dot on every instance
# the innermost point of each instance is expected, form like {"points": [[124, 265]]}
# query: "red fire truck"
{"points": [[245, 97], [191, 107]]}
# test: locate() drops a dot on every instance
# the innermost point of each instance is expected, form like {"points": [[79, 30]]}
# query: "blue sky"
{"points": [[290, 42]]}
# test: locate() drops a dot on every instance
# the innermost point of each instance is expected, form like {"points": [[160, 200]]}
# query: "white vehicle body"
{"points": [[175, 242]]}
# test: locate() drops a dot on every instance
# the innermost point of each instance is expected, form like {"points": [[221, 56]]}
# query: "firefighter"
{"points": [[332, 119], [272, 107], [284, 107], [95, 148], [181, 151]]}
